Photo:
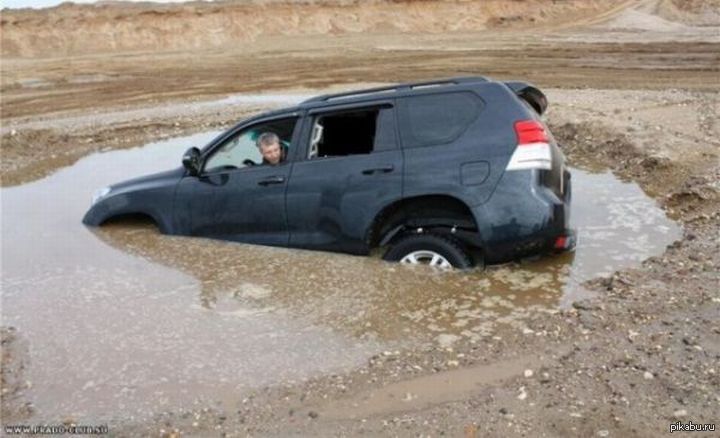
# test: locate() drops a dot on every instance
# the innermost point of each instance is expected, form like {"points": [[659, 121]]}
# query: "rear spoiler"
{"points": [[533, 96]]}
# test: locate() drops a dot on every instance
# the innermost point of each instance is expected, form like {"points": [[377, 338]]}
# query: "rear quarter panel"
{"points": [[485, 147]]}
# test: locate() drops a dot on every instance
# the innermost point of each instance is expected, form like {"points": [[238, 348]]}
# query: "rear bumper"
{"points": [[567, 241], [524, 218], [553, 242]]}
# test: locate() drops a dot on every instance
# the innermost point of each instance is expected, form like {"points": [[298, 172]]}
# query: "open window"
{"points": [[241, 150], [344, 133]]}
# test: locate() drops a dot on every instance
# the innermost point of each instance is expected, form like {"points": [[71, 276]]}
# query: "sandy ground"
{"points": [[636, 93]]}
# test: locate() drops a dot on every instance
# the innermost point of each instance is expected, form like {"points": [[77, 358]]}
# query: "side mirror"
{"points": [[191, 161]]}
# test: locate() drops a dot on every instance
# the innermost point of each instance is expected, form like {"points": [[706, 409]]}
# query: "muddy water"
{"points": [[122, 321]]}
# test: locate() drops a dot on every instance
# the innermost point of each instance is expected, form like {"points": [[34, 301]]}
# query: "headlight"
{"points": [[100, 193]]}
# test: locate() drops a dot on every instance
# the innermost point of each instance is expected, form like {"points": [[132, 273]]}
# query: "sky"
{"points": [[48, 3]]}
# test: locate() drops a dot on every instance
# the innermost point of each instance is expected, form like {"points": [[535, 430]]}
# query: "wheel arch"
{"points": [[436, 210], [136, 215]]}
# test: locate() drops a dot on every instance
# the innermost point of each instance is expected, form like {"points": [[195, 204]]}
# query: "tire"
{"points": [[419, 248]]}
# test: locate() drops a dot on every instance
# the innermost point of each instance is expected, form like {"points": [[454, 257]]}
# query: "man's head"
{"points": [[270, 149]]}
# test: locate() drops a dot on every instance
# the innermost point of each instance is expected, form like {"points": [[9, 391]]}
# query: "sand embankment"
{"points": [[71, 29]]}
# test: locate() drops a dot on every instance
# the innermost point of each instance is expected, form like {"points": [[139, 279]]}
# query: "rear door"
{"points": [[348, 168]]}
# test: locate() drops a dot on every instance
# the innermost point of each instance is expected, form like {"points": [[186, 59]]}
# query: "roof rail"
{"points": [[395, 88]]}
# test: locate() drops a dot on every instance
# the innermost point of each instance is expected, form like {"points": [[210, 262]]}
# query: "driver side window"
{"points": [[241, 150]]}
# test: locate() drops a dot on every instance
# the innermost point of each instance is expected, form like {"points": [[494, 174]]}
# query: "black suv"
{"points": [[453, 172]]}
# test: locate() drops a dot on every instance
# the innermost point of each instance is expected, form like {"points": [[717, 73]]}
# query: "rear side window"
{"points": [[351, 132], [437, 118]]}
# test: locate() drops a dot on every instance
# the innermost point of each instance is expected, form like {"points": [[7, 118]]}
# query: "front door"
{"points": [[239, 195]]}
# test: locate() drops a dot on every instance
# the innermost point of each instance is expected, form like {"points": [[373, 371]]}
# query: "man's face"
{"points": [[271, 153]]}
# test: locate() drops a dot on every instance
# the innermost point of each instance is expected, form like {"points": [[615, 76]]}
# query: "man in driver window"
{"points": [[272, 151]]}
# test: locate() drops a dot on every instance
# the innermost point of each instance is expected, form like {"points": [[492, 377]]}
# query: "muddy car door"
{"points": [[347, 168], [238, 194]]}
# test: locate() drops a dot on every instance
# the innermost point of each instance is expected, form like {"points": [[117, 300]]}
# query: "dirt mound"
{"points": [[691, 12], [71, 29], [633, 19], [666, 15]]}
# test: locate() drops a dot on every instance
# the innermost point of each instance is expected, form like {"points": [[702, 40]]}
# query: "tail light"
{"points": [[533, 149], [560, 242]]}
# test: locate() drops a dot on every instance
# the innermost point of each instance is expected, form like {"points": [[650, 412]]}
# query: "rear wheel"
{"points": [[431, 250]]}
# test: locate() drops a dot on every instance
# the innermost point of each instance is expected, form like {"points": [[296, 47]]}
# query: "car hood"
{"points": [[151, 195], [152, 181]]}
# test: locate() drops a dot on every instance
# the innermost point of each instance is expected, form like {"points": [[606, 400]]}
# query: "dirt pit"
{"points": [[144, 324], [124, 322]]}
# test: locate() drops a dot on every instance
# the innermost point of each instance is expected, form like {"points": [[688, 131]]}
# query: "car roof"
{"points": [[391, 91], [370, 95]]}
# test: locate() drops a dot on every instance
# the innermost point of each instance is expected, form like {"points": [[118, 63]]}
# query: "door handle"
{"points": [[277, 179], [383, 169]]}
